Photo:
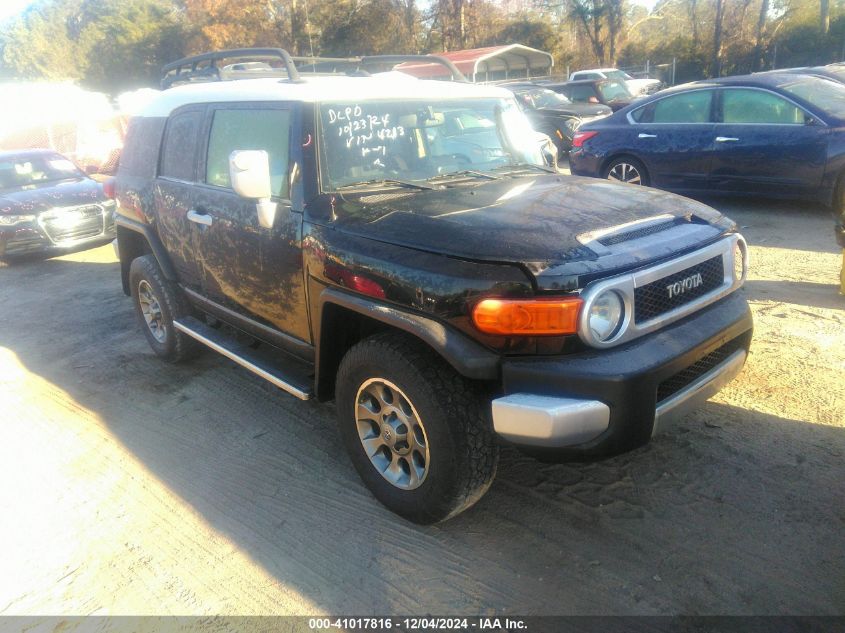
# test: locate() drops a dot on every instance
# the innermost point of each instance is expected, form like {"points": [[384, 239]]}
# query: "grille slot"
{"points": [[654, 299], [687, 376], [88, 223]]}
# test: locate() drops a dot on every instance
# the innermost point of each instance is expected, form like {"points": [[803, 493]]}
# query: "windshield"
{"points": [[613, 90], [542, 98], [825, 94], [618, 75], [417, 140], [28, 171]]}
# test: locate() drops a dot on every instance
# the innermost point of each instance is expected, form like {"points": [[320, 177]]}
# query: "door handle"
{"points": [[644, 135], [200, 218], [726, 139]]}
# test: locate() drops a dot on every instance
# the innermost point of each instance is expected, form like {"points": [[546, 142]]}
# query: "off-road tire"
{"points": [[463, 453], [175, 346]]}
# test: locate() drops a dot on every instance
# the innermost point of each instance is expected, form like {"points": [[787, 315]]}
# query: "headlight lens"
{"points": [[572, 124], [9, 220], [606, 315]]}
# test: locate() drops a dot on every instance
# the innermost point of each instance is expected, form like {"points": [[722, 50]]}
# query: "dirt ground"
{"points": [[129, 486]]}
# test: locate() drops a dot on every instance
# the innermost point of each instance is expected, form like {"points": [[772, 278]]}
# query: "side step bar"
{"points": [[244, 356]]}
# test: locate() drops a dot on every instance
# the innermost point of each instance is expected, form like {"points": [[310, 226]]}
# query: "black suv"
{"points": [[49, 207], [394, 245]]}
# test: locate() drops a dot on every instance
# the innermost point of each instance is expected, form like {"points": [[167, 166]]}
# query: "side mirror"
{"points": [[249, 173]]}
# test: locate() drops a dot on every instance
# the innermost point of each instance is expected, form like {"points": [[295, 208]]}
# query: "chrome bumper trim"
{"points": [[534, 420], [706, 386]]}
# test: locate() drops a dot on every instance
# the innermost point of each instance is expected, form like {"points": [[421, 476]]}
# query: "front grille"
{"points": [[635, 234], [670, 292], [21, 245], [74, 223], [687, 376]]}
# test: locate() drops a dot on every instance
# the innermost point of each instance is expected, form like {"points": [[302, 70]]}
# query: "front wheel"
{"points": [[416, 431], [628, 170]]}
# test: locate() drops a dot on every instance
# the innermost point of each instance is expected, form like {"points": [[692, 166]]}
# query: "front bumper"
{"points": [[602, 402], [58, 230]]}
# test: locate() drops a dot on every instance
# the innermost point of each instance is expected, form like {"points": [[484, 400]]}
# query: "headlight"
{"points": [[606, 315], [9, 220]]}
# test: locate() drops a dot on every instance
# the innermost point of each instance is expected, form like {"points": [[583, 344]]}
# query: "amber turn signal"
{"points": [[527, 317]]}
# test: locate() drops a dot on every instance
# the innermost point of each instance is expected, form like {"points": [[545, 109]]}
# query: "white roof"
{"points": [[316, 89]]}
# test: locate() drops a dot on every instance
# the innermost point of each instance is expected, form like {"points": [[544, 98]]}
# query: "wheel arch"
{"points": [[345, 319], [134, 240]]}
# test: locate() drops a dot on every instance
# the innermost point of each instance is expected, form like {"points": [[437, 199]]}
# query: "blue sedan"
{"points": [[778, 135]]}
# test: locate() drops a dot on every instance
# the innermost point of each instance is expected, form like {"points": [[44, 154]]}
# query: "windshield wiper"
{"points": [[386, 181], [466, 172]]}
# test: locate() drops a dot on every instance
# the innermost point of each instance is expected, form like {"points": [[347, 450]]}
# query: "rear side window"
{"points": [[581, 93], [687, 107], [178, 156], [757, 106], [249, 129]]}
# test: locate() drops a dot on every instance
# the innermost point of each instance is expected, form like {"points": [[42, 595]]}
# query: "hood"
{"points": [[583, 110], [545, 223], [64, 193]]}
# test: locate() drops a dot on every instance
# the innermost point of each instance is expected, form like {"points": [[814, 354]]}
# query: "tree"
{"points": [[716, 65]]}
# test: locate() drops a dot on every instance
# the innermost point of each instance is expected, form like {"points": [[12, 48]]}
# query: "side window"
{"points": [[581, 93], [180, 145], [757, 106], [249, 129], [687, 107]]}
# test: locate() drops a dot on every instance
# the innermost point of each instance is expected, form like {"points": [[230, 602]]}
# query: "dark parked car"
{"points": [[835, 72], [386, 244], [765, 134], [555, 115], [48, 206], [610, 92]]}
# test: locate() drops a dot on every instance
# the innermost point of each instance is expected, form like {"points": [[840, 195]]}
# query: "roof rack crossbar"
{"points": [[192, 68], [457, 75]]}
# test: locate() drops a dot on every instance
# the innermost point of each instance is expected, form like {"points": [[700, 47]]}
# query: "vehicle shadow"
{"points": [[805, 293], [733, 511], [787, 224]]}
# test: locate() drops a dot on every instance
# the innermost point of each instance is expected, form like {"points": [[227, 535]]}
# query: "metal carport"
{"points": [[491, 63]]}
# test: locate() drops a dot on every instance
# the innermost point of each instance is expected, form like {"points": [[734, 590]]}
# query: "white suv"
{"points": [[636, 86]]}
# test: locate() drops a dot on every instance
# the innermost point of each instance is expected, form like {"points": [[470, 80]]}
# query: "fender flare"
{"points": [[468, 357], [152, 238]]}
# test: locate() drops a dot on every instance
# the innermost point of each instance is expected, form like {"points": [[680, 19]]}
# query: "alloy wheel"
{"points": [[392, 433], [151, 311], [625, 172]]}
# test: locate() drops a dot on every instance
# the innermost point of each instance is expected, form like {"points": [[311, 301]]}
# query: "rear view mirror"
{"points": [[249, 173]]}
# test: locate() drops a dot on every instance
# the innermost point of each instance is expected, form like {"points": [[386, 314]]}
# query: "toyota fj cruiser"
{"points": [[396, 245]]}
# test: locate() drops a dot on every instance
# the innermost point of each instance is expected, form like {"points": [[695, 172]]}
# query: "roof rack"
{"points": [[204, 67]]}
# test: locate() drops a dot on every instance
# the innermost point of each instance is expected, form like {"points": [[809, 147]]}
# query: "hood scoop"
{"points": [[603, 241]]}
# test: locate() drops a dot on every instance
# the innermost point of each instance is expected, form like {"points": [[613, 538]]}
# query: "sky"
{"points": [[10, 7]]}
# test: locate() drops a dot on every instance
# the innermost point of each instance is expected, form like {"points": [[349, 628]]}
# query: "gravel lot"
{"points": [[134, 487]]}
